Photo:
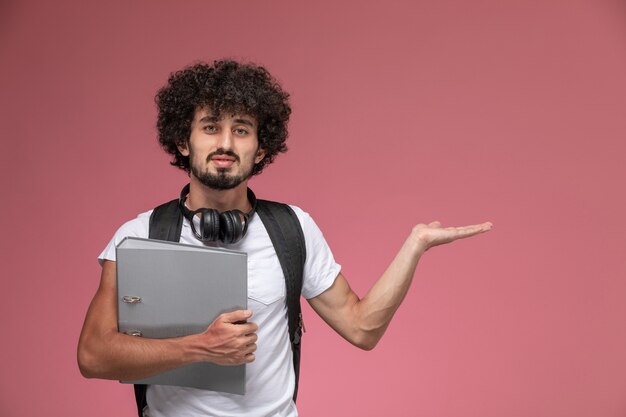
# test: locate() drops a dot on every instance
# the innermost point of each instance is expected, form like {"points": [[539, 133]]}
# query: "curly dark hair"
{"points": [[225, 87]]}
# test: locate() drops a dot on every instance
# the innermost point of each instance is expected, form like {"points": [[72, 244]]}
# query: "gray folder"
{"points": [[168, 289]]}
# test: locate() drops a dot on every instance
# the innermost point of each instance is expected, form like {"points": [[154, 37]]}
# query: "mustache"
{"points": [[223, 152]]}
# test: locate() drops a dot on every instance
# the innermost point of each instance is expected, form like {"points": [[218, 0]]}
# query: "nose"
{"points": [[225, 140]]}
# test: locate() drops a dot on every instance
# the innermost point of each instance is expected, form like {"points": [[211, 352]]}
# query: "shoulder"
{"points": [[303, 217], [308, 225], [137, 227]]}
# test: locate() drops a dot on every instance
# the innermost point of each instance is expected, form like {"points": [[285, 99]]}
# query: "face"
{"points": [[222, 151]]}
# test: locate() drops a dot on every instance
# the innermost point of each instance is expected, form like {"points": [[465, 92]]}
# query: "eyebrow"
{"points": [[213, 119], [244, 122]]}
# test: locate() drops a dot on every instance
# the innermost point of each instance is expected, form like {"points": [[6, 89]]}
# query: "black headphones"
{"points": [[227, 227]]}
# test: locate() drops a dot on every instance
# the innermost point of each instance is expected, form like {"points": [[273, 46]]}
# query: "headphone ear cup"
{"points": [[210, 225], [232, 226]]}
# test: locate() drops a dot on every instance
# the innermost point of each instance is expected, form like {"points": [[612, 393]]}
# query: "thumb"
{"points": [[236, 316]]}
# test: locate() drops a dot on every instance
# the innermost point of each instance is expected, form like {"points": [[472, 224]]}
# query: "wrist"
{"points": [[415, 245], [191, 349]]}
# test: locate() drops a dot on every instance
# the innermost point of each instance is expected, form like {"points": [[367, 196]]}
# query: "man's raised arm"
{"points": [[363, 322], [103, 352]]}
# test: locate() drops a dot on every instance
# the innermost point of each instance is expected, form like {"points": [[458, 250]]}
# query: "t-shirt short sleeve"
{"points": [[320, 268], [137, 227]]}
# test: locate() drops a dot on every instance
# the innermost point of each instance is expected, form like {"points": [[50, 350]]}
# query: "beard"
{"points": [[220, 180]]}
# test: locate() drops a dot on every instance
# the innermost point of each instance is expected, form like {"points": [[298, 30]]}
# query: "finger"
{"points": [[244, 329], [251, 338], [482, 227], [246, 343], [235, 316], [251, 348], [436, 224], [467, 231]]}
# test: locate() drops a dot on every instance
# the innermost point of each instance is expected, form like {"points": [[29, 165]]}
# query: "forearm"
{"points": [[373, 313], [108, 354], [362, 322]]}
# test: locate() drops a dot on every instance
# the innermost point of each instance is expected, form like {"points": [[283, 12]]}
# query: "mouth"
{"points": [[223, 161]]}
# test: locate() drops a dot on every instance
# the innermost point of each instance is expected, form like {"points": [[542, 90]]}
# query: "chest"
{"points": [[266, 281]]}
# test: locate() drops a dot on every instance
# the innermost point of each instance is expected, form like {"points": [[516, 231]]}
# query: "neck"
{"points": [[201, 196]]}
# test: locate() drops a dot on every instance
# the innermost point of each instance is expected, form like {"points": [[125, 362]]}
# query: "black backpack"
{"points": [[285, 232]]}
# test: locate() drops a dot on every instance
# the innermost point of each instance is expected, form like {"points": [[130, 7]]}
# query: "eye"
{"points": [[240, 131], [210, 128]]}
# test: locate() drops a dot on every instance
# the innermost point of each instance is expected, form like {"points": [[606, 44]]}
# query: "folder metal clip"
{"points": [[131, 299]]}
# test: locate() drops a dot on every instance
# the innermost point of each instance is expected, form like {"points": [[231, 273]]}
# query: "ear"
{"points": [[183, 147], [260, 154]]}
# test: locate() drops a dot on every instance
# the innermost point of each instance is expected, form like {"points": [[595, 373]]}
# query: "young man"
{"points": [[223, 123]]}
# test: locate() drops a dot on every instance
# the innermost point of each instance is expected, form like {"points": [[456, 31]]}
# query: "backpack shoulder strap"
{"points": [[166, 222], [286, 235]]}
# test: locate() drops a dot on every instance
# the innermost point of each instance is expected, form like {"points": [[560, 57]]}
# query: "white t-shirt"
{"points": [[270, 379]]}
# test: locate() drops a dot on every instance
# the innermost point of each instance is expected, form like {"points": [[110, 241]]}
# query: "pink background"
{"points": [[404, 112]]}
